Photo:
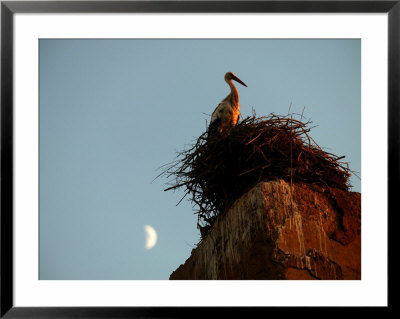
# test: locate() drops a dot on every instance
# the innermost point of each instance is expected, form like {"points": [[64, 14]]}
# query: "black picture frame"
{"points": [[9, 8]]}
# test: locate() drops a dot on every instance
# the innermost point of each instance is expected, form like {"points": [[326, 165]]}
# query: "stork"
{"points": [[227, 113]]}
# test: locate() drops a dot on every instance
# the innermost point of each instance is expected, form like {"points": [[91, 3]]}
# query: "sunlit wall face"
{"points": [[113, 111]]}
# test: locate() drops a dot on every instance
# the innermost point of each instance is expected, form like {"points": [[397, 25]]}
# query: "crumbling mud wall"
{"points": [[273, 233]]}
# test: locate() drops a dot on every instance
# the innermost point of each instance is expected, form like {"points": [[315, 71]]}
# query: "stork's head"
{"points": [[231, 76]]}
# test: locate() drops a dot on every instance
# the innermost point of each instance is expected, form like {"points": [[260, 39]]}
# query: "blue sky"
{"points": [[113, 111]]}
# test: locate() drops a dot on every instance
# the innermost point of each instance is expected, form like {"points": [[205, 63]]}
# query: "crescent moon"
{"points": [[151, 237]]}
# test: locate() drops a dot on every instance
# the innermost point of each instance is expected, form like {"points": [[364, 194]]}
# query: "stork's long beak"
{"points": [[238, 80]]}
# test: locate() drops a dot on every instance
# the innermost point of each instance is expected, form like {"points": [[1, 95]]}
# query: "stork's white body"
{"points": [[227, 112]]}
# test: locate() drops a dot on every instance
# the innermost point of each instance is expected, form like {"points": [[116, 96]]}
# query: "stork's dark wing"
{"points": [[213, 127]]}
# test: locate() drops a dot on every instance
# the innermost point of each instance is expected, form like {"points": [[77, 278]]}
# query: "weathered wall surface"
{"points": [[270, 233]]}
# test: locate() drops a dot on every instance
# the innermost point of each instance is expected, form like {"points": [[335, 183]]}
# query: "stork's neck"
{"points": [[234, 96]]}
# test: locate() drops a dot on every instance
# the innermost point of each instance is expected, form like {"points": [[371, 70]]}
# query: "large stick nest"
{"points": [[218, 168]]}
